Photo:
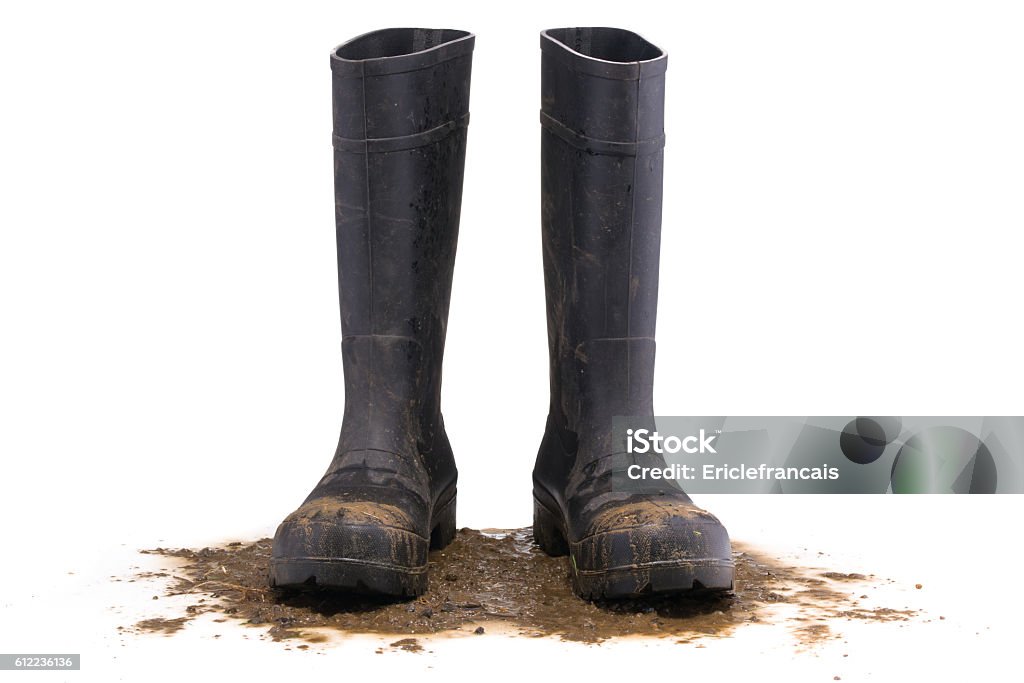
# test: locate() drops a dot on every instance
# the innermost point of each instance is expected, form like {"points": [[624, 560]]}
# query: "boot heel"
{"points": [[443, 532], [546, 531]]}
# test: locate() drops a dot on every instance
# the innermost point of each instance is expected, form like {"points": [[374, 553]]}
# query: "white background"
{"points": [[842, 224]]}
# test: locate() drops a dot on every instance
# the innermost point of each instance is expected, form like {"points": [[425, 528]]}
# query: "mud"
{"points": [[159, 625], [500, 579]]}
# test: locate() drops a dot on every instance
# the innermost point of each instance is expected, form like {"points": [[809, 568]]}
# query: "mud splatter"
{"points": [[500, 578], [839, 576], [814, 633], [165, 626], [407, 645]]}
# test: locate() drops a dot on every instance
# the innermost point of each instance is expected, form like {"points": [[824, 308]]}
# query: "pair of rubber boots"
{"points": [[401, 109]]}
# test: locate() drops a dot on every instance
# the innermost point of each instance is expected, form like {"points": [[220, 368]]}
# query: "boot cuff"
{"points": [[606, 52], [397, 50]]}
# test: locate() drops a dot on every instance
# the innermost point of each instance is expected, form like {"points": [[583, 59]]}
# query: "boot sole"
{"points": [[692, 575], [350, 575]]}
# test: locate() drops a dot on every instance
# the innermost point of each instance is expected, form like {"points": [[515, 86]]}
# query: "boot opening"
{"points": [[394, 42], [606, 44]]}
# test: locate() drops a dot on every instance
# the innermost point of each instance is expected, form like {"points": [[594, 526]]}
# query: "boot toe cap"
{"points": [[652, 534], [324, 538]]}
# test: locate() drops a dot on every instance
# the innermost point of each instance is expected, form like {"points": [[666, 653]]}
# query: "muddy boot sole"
{"points": [[623, 578], [358, 575]]}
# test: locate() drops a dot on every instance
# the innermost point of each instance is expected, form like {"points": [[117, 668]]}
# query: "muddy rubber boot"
{"points": [[401, 108], [602, 116]]}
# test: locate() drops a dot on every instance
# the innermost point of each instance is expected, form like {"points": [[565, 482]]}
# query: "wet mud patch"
{"points": [[407, 645], [499, 578], [165, 626]]}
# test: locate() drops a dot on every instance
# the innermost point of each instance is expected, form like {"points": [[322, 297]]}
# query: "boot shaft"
{"points": [[401, 108], [400, 112], [602, 116]]}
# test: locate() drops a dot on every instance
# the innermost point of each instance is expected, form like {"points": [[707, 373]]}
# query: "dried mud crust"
{"points": [[501, 576]]}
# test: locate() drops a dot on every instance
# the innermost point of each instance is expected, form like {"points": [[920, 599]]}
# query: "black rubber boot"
{"points": [[602, 116], [401, 107]]}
